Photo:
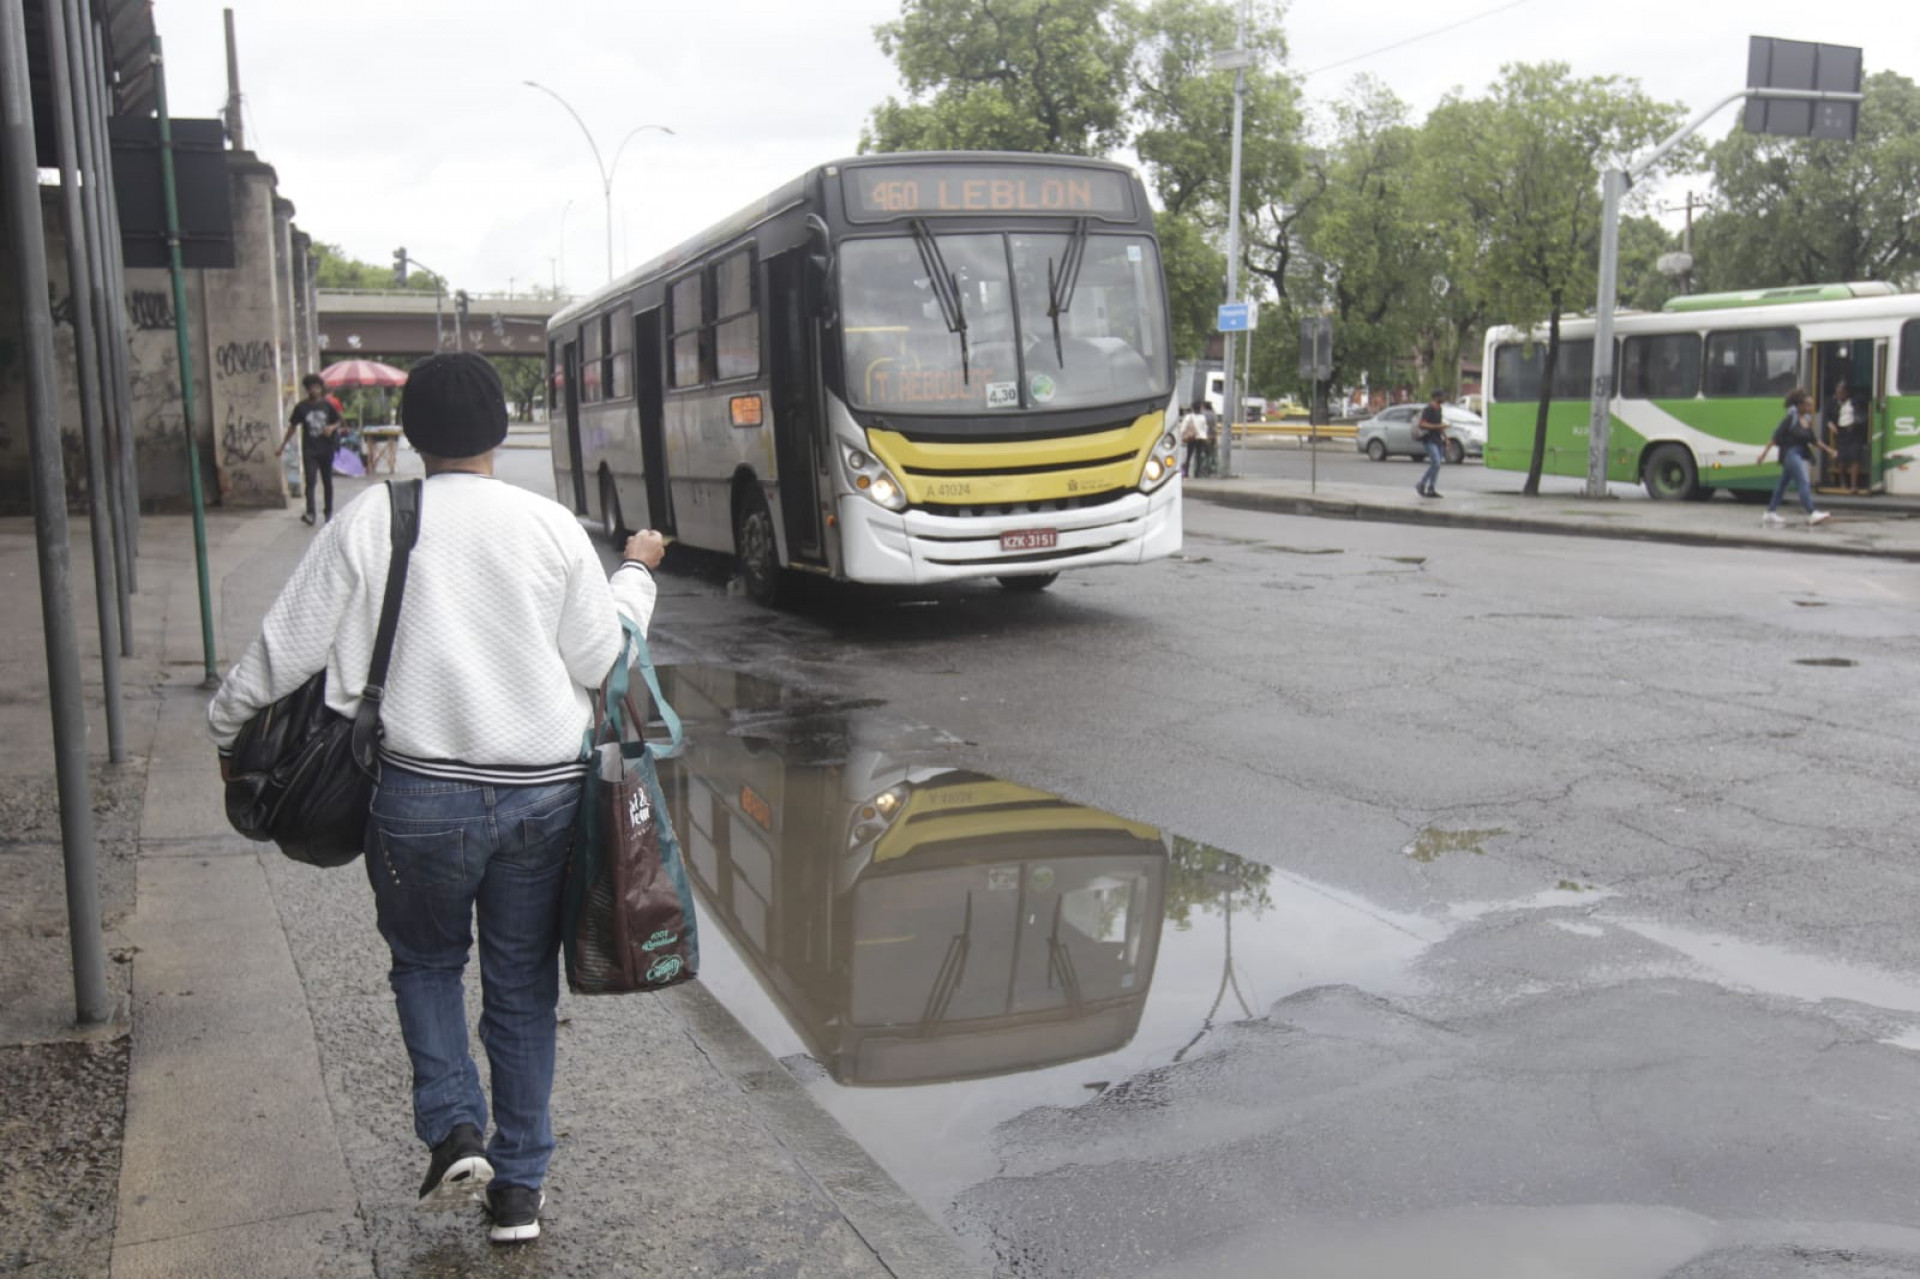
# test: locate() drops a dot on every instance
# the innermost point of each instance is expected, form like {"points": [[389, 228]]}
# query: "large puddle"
{"points": [[935, 951]]}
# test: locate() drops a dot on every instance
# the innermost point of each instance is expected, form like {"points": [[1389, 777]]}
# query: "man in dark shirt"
{"points": [[1432, 430], [318, 422]]}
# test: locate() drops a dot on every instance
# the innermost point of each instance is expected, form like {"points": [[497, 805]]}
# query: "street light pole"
{"points": [[606, 171], [1237, 58]]}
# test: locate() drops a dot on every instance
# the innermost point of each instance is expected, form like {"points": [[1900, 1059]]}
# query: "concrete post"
{"points": [[1613, 189]]}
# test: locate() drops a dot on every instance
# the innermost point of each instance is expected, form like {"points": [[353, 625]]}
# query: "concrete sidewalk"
{"points": [[248, 1113], [1874, 526]]}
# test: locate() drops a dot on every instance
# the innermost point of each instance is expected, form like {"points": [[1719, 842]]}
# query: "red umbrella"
{"points": [[362, 373]]}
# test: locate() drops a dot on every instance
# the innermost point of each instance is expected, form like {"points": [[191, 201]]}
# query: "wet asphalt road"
{"points": [[1533, 906]]}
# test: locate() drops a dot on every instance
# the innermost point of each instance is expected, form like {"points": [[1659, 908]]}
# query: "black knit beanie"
{"points": [[454, 406]]}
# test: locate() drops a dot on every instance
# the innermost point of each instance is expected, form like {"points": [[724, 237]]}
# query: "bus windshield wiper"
{"points": [[946, 290], [1060, 286]]}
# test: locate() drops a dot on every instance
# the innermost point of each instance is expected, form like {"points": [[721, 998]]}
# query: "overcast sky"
{"points": [[396, 122]]}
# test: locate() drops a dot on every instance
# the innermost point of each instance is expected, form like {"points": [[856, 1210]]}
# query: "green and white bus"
{"points": [[1700, 384]]}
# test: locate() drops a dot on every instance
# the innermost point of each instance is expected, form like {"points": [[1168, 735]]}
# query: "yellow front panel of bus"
{"points": [[961, 474], [982, 810]]}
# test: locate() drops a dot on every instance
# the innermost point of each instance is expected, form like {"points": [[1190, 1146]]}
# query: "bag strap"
{"points": [[404, 501], [633, 646]]}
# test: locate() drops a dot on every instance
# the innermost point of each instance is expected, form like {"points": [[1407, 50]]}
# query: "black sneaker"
{"points": [[458, 1173], [516, 1213], [307, 518]]}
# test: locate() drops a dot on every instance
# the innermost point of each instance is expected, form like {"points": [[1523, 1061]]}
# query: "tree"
{"points": [[1003, 75], [1525, 164], [523, 377], [1794, 211], [338, 271], [1194, 269]]}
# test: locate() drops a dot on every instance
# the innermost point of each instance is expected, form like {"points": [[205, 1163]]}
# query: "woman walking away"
{"points": [[1796, 439], [507, 620]]}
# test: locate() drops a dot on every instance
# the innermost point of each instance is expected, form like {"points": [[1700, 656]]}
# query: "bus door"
{"points": [[797, 417], [1861, 364], [648, 352], [570, 374], [1879, 419]]}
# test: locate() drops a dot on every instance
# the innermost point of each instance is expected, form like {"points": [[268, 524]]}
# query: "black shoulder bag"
{"points": [[301, 774]]}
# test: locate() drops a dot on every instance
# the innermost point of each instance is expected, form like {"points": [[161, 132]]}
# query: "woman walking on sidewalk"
{"points": [[506, 621], [1796, 439]]}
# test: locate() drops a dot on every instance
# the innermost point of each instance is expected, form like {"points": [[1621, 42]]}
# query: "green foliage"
{"points": [[1794, 211], [1194, 269], [1525, 163], [1183, 108], [336, 270], [1641, 286], [1003, 75], [1202, 877], [524, 377]]}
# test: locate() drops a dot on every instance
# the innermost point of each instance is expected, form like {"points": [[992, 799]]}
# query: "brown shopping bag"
{"points": [[627, 918]]}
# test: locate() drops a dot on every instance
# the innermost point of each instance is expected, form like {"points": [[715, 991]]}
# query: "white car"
{"points": [[1390, 433]]}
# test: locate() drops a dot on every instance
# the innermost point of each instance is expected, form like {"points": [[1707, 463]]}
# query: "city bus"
{"points": [[1700, 386], [913, 922], [906, 368]]}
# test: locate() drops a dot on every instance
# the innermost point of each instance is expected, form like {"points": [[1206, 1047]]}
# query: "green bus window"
{"points": [[686, 316], [1909, 380], [1752, 363], [1666, 367], [1516, 371], [736, 328]]}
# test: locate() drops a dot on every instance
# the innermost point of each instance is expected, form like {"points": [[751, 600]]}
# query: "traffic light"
{"points": [[460, 304], [400, 268]]}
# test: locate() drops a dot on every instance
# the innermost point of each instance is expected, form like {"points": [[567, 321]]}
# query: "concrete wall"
{"points": [[240, 365]]}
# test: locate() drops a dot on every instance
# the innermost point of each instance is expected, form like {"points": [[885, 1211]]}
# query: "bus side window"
{"points": [[685, 317], [1666, 367], [736, 323], [1909, 379], [1752, 363]]}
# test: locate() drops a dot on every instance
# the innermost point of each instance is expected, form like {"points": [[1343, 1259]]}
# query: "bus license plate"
{"points": [[1030, 539]]}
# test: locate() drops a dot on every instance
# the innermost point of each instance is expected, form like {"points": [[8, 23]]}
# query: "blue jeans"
{"points": [[436, 850], [1436, 456], [1793, 467]]}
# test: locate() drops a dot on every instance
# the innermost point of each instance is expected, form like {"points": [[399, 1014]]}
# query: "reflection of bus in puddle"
{"points": [[914, 923]]}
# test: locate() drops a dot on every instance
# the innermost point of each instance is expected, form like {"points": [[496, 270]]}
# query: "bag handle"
{"points": [[633, 646], [404, 501]]}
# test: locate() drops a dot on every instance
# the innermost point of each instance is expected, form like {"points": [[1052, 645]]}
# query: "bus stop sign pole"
{"points": [[1783, 71]]}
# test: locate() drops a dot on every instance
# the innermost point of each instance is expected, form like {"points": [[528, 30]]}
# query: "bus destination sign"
{"points": [[895, 190]]}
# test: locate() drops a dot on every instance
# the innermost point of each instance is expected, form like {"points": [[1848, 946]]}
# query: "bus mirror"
{"points": [[820, 282]]}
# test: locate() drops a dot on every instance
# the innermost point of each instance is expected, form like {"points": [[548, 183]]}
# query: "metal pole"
{"points": [[1232, 397], [99, 297], [187, 396], [26, 243], [1613, 188], [116, 345], [236, 130], [86, 359]]}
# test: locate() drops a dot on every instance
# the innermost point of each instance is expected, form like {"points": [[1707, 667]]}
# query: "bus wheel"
{"points": [[755, 548], [1669, 473], [610, 522], [1030, 584], [1456, 452]]}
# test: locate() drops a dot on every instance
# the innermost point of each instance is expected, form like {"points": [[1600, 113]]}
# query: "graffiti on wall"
{"points": [[243, 439], [236, 359], [150, 309]]}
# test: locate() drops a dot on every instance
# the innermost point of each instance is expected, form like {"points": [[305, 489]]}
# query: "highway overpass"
{"points": [[371, 323]]}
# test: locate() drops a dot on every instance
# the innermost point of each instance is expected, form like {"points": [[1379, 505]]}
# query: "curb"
{"points": [[1343, 508]]}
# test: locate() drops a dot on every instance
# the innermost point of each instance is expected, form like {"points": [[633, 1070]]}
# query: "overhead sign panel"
{"points": [[906, 190], [1809, 68]]}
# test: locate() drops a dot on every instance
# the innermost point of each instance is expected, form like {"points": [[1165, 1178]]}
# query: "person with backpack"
{"points": [[1193, 433], [1796, 439]]}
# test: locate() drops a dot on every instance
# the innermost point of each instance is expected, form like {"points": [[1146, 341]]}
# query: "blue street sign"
{"points": [[1235, 317]]}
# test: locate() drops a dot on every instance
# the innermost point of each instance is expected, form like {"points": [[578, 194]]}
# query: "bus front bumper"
{"points": [[906, 547]]}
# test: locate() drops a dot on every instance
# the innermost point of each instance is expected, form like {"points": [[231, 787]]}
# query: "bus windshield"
{"points": [[1030, 333]]}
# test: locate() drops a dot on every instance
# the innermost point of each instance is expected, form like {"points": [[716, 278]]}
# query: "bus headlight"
{"points": [[871, 479], [873, 818], [1162, 463]]}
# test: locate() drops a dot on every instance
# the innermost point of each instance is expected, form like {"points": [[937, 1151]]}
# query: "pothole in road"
{"points": [[1809, 603], [1824, 661], [1301, 550]]}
